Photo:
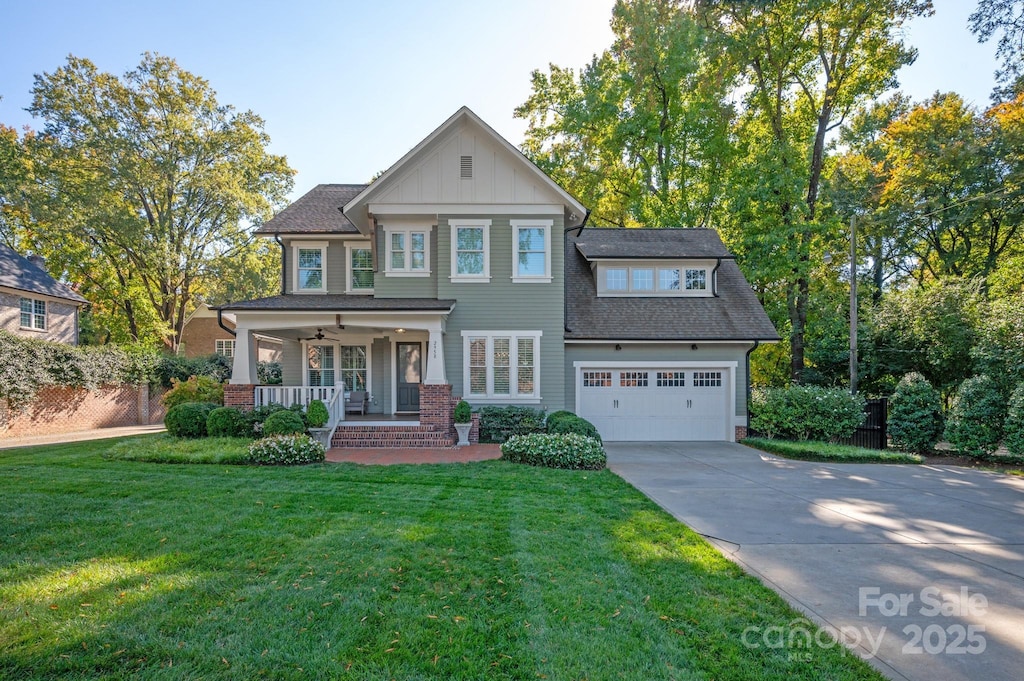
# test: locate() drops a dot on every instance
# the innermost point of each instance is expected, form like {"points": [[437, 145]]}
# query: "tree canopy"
{"points": [[142, 186]]}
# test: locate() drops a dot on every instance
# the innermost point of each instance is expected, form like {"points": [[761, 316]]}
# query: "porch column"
{"points": [[243, 368], [435, 359]]}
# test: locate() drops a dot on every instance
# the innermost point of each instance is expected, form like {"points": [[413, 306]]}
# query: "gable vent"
{"points": [[466, 168]]}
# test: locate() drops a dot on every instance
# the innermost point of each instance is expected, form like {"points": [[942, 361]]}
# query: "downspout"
{"points": [[220, 323], [747, 361], [565, 255], [277, 238], [714, 279]]}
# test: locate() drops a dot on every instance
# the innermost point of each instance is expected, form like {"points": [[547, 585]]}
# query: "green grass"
{"points": [[117, 569], [164, 448], [832, 453]]}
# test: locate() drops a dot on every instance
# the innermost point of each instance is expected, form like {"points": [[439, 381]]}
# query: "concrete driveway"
{"points": [[918, 568]]}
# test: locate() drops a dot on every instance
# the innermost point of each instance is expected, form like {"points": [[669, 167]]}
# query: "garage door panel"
{"points": [[656, 404]]}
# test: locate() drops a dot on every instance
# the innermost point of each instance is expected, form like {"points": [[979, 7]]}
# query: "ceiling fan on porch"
{"points": [[318, 336]]}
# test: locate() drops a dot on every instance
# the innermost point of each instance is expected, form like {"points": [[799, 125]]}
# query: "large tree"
{"points": [[1004, 18], [808, 64], [144, 182], [641, 134]]}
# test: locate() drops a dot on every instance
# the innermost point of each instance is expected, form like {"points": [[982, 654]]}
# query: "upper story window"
{"points": [[408, 251], [501, 365], [360, 268], [471, 246], [656, 279], [33, 314], [310, 267], [531, 251]]}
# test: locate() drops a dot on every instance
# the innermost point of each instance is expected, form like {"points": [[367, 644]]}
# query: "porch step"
{"points": [[390, 437]]}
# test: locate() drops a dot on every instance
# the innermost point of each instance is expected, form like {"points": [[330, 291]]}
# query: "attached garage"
{"points": [[645, 401]]}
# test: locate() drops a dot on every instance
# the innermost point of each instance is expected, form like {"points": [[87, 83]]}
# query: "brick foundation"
{"points": [[240, 395], [58, 409], [741, 432]]}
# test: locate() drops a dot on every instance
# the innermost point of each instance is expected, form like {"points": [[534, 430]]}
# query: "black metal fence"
{"points": [[872, 433]]}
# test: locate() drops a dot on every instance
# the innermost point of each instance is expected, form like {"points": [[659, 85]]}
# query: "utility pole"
{"points": [[853, 305]]}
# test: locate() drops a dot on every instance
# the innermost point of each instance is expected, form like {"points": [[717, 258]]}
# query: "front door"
{"points": [[408, 376]]}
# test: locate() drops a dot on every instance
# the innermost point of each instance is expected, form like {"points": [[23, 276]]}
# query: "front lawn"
{"points": [[827, 451], [120, 569]]}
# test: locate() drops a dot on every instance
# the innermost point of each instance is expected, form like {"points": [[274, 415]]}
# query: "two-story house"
{"points": [[465, 270], [34, 304]]}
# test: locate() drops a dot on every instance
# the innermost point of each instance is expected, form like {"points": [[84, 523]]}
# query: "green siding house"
{"points": [[464, 271]]}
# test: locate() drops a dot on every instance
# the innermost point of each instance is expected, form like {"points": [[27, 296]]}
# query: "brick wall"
{"points": [[240, 395], [199, 337], [436, 407], [66, 410], [60, 318]]}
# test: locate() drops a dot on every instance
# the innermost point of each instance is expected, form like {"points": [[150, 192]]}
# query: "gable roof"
{"points": [[463, 114], [18, 272], [318, 211], [734, 314]]}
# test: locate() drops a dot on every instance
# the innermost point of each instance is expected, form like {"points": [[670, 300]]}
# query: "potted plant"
{"points": [[317, 416], [463, 417]]}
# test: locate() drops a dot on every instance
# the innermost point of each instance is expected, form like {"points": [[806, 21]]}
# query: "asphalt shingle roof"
{"points": [[18, 272], [337, 302], [735, 314], [318, 211]]}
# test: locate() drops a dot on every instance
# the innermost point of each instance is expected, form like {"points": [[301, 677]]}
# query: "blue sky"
{"points": [[347, 87]]}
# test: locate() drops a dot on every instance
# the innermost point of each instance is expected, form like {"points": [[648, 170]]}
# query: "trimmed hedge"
{"points": [[806, 413], [976, 415], [1014, 427], [462, 413], [573, 424], [284, 422], [556, 416], [30, 364], [188, 419], [915, 415], [498, 424], [571, 451], [227, 422], [285, 450]]}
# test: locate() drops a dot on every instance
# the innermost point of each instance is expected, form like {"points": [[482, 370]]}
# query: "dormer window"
{"points": [[654, 279]]}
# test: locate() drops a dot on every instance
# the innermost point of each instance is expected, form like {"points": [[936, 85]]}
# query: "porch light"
{"points": [[399, 330]]}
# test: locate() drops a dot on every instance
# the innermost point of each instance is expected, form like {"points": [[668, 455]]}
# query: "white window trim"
{"points": [[545, 278], [224, 343], [349, 247], [33, 315], [406, 229], [309, 246], [656, 292], [470, 278], [364, 341], [513, 361]]}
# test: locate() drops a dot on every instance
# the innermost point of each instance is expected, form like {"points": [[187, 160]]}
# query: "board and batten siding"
{"points": [[659, 352], [501, 305]]}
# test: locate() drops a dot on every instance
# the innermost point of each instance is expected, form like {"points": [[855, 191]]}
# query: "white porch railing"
{"points": [[302, 394]]}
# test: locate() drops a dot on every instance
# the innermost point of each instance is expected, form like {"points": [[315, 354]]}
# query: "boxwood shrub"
{"points": [[188, 419], [227, 422], [317, 415], [498, 424], [568, 450], [285, 450], [915, 415], [556, 416], [806, 413], [573, 424], [284, 422]]}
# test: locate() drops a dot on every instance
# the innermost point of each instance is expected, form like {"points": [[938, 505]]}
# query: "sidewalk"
{"points": [[80, 436]]}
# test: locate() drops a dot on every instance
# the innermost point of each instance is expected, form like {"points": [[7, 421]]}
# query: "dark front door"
{"points": [[408, 373]]}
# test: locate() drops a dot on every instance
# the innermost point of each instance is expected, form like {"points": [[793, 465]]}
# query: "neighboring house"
{"points": [[202, 335], [34, 304], [464, 270]]}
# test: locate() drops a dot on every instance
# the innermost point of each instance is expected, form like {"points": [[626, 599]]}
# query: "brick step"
{"points": [[397, 437]]}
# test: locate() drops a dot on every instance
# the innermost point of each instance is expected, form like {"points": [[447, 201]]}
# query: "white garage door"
{"points": [[656, 404]]}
